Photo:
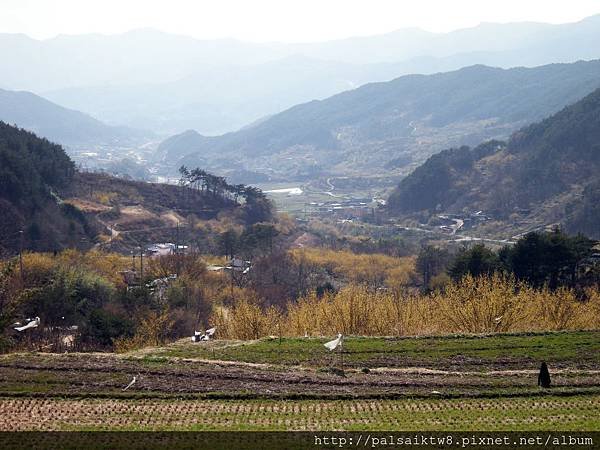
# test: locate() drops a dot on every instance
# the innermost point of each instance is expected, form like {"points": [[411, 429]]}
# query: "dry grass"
{"points": [[88, 206], [368, 269], [38, 267], [473, 305]]}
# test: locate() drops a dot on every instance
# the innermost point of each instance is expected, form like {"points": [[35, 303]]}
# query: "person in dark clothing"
{"points": [[544, 376]]}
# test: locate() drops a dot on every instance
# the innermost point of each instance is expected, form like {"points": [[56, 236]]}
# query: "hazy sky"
{"points": [[276, 20]]}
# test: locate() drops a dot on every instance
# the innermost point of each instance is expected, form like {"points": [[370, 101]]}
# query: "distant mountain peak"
{"points": [[66, 126]]}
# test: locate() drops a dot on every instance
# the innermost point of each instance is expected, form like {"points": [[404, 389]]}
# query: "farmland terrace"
{"points": [[450, 382]]}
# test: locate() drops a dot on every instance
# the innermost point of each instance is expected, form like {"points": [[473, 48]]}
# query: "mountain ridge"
{"points": [[117, 84], [57, 123], [412, 116], [546, 173]]}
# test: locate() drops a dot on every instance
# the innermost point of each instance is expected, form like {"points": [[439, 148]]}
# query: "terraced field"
{"points": [[548, 413], [442, 383], [472, 352]]}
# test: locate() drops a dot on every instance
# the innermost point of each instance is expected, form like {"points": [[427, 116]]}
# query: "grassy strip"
{"points": [[581, 347]]}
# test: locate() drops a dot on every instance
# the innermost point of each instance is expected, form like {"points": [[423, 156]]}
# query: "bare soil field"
{"points": [[198, 386]]}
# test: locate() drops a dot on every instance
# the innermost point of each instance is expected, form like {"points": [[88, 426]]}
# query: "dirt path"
{"points": [[114, 234]]}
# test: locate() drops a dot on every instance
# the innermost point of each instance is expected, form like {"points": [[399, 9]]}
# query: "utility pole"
{"points": [[279, 326], [141, 265], [21, 255], [111, 229], [232, 270], [177, 250]]}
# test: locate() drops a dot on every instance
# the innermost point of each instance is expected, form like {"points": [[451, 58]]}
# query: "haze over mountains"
{"points": [[68, 127], [389, 126], [148, 79], [293, 121], [369, 108]]}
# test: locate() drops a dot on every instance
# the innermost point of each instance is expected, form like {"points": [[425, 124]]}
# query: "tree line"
{"points": [[30, 165], [257, 207], [553, 259], [205, 182]]}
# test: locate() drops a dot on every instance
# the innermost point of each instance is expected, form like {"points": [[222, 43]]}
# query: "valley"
{"points": [[206, 231]]}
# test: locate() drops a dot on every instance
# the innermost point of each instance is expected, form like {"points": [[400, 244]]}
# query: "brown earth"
{"points": [[104, 374]]}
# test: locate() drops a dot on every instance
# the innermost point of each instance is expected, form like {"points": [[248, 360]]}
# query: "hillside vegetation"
{"points": [[135, 213], [31, 171], [545, 282], [391, 124], [57, 207], [548, 171]]}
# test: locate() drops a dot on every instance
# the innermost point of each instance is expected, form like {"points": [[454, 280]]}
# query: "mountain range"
{"points": [[58, 124], [546, 173], [149, 79], [388, 127]]}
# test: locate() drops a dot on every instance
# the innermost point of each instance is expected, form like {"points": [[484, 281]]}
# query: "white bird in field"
{"points": [[33, 323], [332, 345], [211, 331], [130, 384]]}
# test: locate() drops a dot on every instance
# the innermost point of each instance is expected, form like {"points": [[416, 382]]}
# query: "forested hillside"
{"points": [[46, 205], [31, 171], [135, 213], [549, 169], [380, 124]]}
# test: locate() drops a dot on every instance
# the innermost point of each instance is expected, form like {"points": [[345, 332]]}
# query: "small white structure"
{"points": [[33, 323], [238, 265], [235, 265], [197, 337], [161, 249], [166, 248]]}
